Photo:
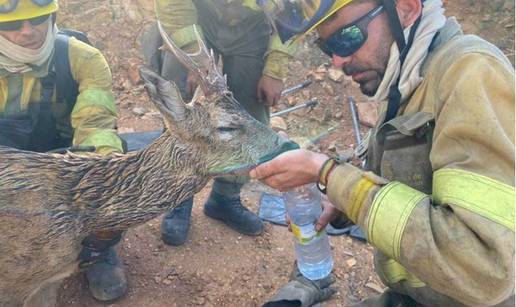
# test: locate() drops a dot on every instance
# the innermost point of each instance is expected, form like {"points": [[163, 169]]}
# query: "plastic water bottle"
{"points": [[313, 252]]}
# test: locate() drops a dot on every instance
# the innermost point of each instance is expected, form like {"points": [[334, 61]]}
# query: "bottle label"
{"points": [[304, 234]]}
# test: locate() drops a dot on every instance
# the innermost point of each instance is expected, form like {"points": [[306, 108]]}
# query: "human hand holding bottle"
{"points": [[329, 214]]}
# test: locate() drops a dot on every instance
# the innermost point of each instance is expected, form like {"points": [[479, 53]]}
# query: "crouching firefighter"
{"points": [[55, 91], [436, 198]]}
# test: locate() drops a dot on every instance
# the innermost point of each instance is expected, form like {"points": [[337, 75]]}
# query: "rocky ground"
{"points": [[217, 266]]}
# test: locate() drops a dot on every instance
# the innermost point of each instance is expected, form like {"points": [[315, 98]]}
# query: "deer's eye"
{"points": [[227, 129]]}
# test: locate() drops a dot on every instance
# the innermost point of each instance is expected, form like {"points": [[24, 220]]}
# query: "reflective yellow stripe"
{"points": [[28, 84], [388, 216], [486, 197], [3, 94], [394, 272], [359, 192], [21, 93], [186, 35]]}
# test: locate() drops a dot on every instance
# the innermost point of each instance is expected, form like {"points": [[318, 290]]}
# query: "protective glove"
{"points": [[302, 292]]}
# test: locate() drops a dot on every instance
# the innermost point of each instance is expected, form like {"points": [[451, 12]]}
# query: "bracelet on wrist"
{"points": [[324, 173]]}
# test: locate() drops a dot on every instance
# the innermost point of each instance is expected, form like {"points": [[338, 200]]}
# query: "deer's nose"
{"points": [[284, 147]]}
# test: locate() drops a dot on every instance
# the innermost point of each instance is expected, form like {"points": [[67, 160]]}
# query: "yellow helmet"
{"points": [[12, 10], [335, 7], [296, 17]]}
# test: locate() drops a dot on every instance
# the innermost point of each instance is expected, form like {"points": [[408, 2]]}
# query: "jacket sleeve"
{"points": [[459, 240], [178, 17], [94, 115], [277, 57]]}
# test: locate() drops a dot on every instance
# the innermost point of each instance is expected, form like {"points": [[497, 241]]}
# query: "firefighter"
{"points": [[55, 92], [437, 196], [255, 63]]}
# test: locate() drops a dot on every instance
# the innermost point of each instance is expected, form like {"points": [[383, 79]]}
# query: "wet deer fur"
{"points": [[50, 202]]}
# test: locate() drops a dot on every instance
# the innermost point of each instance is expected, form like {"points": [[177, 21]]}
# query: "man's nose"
{"points": [[26, 28], [339, 61]]}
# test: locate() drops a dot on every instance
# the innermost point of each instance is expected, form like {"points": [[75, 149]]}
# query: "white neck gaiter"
{"points": [[17, 59], [432, 20]]}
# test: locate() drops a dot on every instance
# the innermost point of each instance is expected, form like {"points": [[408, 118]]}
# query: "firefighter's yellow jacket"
{"points": [[178, 18], [93, 117], [439, 204]]}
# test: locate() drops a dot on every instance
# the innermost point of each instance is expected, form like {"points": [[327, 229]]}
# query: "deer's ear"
{"points": [[165, 95]]}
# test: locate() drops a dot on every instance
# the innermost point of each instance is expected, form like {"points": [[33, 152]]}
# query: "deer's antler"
{"points": [[202, 63]]}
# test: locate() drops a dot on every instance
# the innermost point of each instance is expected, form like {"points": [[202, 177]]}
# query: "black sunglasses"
{"points": [[17, 24], [348, 39]]}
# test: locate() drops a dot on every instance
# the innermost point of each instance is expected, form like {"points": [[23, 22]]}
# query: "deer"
{"points": [[50, 202]]}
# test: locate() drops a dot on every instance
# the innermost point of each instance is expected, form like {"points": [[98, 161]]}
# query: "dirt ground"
{"points": [[217, 266]]}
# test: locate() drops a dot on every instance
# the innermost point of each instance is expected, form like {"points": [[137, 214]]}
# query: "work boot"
{"points": [[176, 223], [230, 211], [103, 268]]}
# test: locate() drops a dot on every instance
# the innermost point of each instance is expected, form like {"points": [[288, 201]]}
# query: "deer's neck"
{"points": [[132, 189]]}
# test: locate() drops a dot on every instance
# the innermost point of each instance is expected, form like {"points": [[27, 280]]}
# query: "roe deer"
{"points": [[50, 202]]}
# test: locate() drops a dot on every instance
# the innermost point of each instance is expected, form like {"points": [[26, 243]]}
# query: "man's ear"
{"points": [[408, 11]]}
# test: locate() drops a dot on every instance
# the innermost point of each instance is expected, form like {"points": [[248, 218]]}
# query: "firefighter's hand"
{"points": [[290, 169], [269, 90], [329, 213]]}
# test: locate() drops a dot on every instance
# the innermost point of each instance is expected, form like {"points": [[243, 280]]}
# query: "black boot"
{"points": [[104, 271], [176, 223], [230, 211]]}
